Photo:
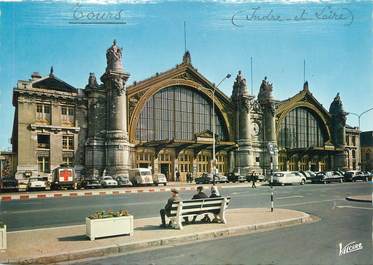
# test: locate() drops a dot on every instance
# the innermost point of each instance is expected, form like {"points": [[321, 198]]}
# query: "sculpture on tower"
{"points": [[338, 120], [265, 95], [92, 81], [114, 58]]}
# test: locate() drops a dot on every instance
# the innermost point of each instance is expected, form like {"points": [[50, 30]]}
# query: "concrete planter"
{"points": [[3, 237], [109, 226]]}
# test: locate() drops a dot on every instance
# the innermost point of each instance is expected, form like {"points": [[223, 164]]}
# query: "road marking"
{"points": [[354, 207], [289, 197], [310, 202], [105, 205]]}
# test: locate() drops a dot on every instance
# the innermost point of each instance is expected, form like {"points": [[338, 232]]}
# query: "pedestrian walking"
{"points": [[177, 175], [253, 179]]}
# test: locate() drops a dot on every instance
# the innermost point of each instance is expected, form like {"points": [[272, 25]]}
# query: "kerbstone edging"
{"points": [[367, 198], [140, 245]]}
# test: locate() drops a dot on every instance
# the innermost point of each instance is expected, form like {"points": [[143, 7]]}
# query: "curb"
{"points": [[142, 245], [358, 200], [90, 193]]}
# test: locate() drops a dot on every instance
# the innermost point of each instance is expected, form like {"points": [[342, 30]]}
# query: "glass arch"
{"points": [[301, 128], [177, 112]]}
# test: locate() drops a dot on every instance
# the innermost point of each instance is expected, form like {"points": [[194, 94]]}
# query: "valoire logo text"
{"points": [[349, 248]]}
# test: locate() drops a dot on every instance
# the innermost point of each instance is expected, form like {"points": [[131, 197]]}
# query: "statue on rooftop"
{"points": [[114, 57]]}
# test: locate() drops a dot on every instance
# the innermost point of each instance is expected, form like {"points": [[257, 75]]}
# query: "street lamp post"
{"points": [[359, 115], [213, 128]]}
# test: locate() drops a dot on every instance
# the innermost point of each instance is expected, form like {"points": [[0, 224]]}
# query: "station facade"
{"points": [[166, 123]]}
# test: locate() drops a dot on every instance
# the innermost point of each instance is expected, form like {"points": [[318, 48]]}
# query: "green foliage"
{"points": [[108, 214]]}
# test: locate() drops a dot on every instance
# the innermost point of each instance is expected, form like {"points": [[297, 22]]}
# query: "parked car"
{"points": [[308, 174], [8, 183], [124, 181], [361, 176], [288, 177], [349, 175], [204, 179], [328, 177], [221, 178], [90, 183], [108, 181], [235, 177], [259, 177], [36, 183], [159, 179]]}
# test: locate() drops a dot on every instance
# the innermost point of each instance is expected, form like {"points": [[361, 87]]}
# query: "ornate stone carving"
{"points": [[265, 92], [239, 87], [256, 106], [118, 85], [92, 81], [187, 76], [246, 104], [187, 59], [132, 102], [337, 112], [265, 96], [114, 57]]}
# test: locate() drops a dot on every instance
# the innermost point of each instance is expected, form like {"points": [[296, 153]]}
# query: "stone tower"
{"points": [[338, 131], [242, 102], [266, 102], [95, 144], [117, 145]]}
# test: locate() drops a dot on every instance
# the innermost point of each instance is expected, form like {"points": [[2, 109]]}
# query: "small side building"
{"points": [[366, 140], [352, 148]]}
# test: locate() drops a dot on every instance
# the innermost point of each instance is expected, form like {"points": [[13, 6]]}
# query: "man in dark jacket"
{"points": [[199, 195], [167, 208]]}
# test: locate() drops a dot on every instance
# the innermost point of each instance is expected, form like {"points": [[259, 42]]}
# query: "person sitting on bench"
{"points": [[167, 208], [215, 194], [199, 195]]}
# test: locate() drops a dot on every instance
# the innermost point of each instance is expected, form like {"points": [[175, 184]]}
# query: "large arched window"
{"points": [[177, 112], [301, 129]]}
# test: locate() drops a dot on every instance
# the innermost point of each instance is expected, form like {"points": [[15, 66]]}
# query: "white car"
{"points": [[36, 183], [108, 181], [288, 177], [159, 179]]}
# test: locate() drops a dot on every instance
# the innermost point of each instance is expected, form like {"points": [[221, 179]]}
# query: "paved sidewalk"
{"points": [[44, 246], [361, 198], [113, 191]]}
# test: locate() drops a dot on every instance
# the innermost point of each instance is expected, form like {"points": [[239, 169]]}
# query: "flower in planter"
{"points": [[2, 225], [108, 214]]}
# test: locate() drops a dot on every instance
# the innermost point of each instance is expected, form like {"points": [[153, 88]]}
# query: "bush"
{"points": [[108, 214]]}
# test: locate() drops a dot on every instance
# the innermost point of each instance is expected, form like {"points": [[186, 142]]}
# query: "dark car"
{"points": [[308, 174], [258, 177], [235, 177], [328, 177], [204, 179], [349, 175], [90, 183], [8, 184], [123, 181]]}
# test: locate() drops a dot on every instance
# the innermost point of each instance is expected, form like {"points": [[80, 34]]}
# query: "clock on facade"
{"points": [[255, 129]]}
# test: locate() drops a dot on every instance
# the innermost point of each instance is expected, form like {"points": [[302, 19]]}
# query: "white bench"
{"points": [[191, 208]]}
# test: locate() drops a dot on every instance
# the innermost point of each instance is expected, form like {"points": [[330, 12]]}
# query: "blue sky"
{"points": [[338, 53]]}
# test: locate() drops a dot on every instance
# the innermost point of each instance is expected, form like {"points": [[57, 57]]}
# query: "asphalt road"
{"points": [[317, 243], [39, 213]]}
